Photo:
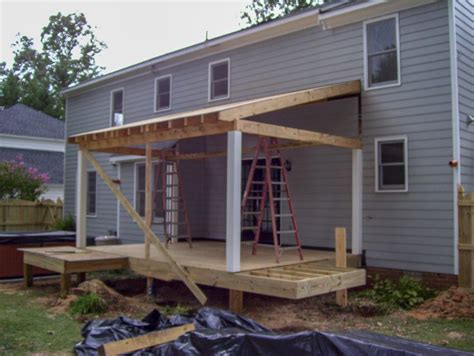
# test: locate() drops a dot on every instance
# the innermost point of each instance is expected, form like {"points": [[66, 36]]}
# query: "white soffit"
{"points": [[367, 10]]}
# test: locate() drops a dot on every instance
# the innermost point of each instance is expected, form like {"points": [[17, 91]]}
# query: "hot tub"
{"points": [[11, 260]]}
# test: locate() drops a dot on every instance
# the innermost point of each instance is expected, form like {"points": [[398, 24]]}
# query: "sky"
{"points": [[134, 31]]}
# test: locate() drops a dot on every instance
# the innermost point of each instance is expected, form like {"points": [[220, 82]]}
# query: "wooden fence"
{"points": [[24, 215], [466, 239]]}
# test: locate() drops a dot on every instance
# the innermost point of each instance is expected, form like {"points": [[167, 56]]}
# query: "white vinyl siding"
{"points": [[382, 52], [391, 162]]}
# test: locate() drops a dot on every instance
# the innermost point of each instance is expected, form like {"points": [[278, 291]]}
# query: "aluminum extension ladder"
{"points": [[257, 192]]}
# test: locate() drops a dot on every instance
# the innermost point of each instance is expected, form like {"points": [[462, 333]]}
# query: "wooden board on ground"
{"points": [[144, 341]]}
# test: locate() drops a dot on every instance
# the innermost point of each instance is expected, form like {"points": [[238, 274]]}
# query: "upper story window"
{"points": [[391, 164], [163, 93], [116, 107], [91, 199], [219, 80], [382, 52]]}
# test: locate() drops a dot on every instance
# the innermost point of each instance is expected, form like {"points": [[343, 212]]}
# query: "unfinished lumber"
{"points": [[341, 261], [289, 133], [144, 341], [466, 239], [177, 268], [27, 275], [236, 301], [65, 284]]}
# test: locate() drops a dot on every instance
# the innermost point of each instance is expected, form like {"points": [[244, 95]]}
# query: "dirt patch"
{"points": [[451, 304]]}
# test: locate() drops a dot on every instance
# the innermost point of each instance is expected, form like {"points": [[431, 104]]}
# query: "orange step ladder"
{"points": [[262, 191]]}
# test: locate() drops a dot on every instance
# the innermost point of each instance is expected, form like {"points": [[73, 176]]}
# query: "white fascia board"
{"points": [[234, 40], [32, 143], [128, 158], [367, 10]]}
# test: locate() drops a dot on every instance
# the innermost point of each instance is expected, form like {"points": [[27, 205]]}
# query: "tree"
{"points": [[67, 57], [260, 11], [17, 181]]}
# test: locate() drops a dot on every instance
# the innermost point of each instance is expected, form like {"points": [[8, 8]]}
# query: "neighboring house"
{"points": [[39, 139], [415, 60]]}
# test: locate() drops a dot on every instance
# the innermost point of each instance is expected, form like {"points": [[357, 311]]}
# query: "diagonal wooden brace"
{"points": [[150, 235]]}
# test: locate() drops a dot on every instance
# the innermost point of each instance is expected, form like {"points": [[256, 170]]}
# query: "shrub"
{"points": [[406, 294], [17, 181], [66, 223], [89, 303]]}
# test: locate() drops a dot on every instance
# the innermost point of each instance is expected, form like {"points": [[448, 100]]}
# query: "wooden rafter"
{"points": [[206, 121], [289, 133], [149, 234]]}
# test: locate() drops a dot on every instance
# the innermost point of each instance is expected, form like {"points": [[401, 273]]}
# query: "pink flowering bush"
{"points": [[17, 181]]}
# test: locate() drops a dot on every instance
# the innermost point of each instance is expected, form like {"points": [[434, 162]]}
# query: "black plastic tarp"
{"points": [[220, 332]]}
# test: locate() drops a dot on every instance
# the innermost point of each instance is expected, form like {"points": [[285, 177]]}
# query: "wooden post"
{"points": [[236, 301], [341, 261], [80, 277], [175, 267], [357, 201], [81, 196], [466, 239], [234, 171], [148, 206], [27, 275], [65, 284]]}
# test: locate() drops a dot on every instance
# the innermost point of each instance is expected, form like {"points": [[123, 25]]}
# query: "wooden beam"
{"points": [[201, 155], [341, 261], [261, 129], [154, 338], [175, 267], [27, 275], [154, 135], [283, 101], [81, 199], [148, 203]]}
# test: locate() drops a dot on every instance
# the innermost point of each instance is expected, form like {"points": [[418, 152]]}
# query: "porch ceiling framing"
{"points": [[219, 120]]}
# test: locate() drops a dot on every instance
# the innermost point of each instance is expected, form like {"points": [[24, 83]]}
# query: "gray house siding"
{"points": [[412, 231], [464, 14]]}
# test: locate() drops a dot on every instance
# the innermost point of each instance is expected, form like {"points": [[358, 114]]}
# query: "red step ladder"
{"points": [[263, 190], [175, 214]]}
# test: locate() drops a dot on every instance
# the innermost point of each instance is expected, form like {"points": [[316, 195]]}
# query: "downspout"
{"points": [[455, 128]]}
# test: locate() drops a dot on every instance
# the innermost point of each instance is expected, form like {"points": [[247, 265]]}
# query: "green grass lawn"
{"points": [[26, 327], [456, 334]]}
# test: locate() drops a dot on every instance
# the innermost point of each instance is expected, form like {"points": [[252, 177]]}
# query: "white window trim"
{"points": [[377, 140], [135, 173], [366, 64], [210, 76], [87, 186], [156, 92], [111, 105]]}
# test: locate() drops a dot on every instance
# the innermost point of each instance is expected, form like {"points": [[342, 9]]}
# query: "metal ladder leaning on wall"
{"points": [[175, 213], [260, 191]]}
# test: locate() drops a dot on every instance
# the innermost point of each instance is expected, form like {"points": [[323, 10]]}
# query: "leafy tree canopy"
{"points": [[260, 11], [67, 57]]}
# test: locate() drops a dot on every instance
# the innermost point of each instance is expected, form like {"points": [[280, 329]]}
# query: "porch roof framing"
{"points": [[221, 119]]}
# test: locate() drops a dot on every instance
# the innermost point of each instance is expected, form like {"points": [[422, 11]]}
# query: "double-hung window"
{"points": [[391, 163], [382, 52], [91, 199], [163, 93], [219, 80], [116, 107]]}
